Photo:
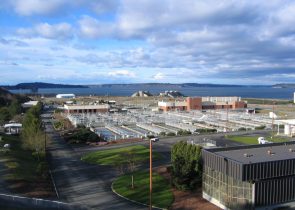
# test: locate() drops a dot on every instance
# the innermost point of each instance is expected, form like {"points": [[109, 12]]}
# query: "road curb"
{"points": [[133, 201]]}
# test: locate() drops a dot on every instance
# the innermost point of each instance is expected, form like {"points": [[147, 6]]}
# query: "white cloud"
{"points": [[92, 28], [53, 7], [55, 31], [36, 7], [121, 73], [159, 76]]}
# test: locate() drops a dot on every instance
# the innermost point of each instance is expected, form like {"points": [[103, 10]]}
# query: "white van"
{"points": [[154, 139]]}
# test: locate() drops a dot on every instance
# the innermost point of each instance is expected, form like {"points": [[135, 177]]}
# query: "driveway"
{"points": [[81, 183]]}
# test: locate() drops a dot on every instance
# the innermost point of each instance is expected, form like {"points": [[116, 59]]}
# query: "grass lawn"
{"points": [[20, 162], [115, 156], [253, 139], [162, 195], [23, 174]]}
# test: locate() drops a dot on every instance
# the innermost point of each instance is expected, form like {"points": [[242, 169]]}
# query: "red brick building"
{"points": [[203, 103]]}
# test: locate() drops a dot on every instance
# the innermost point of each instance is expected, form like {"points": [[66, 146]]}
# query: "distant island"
{"points": [[36, 85], [170, 85], [284, 85]]}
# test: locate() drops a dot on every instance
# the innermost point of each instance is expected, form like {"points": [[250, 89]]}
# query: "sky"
{"points": [[137, 41]]}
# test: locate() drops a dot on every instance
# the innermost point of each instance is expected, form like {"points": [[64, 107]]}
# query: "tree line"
{"points": [[8, 112], [32, 134]]}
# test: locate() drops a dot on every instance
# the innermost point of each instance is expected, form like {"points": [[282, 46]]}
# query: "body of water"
{"points": [[244, 92]]}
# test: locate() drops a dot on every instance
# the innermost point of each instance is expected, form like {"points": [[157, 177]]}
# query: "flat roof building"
{"points": [[65, 96], [29, 104], [250, 177], [12, 128], [76, 109], [200, 103]]}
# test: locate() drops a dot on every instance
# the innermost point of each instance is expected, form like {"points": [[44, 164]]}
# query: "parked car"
{"points": [[154, 139]]}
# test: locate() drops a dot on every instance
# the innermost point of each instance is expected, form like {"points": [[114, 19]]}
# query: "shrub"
{"points": [[171, 134], [186, 165], [260, 127]]}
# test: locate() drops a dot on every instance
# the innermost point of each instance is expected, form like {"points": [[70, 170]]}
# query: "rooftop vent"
{"points": [[247, 155], [270, 152]]}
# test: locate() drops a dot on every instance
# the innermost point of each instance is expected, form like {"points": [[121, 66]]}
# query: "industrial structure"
{"points": [[30, 104], [289, 127], [12, 128], [202, 103], [79, 109], [250, 177], [65, 96]]}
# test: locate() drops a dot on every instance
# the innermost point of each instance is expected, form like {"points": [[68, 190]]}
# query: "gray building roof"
{"points": [[259, 153]]}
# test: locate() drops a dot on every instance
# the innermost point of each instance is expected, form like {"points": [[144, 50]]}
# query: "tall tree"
{"points": [[15, 108], [4, 115], [186, 165], [32, 134]]}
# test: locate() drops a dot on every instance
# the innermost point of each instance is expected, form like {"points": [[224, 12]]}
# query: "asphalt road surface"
{"points": [[81, 183]]}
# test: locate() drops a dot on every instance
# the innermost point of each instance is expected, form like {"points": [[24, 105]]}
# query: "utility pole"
{"points": [[45, 139], [151, 173], [226, 116], [272, 122]]}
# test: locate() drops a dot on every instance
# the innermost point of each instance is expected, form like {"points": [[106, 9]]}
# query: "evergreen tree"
{"points": [[186, 165], [15, 108], [4, 115], [32, 134]]}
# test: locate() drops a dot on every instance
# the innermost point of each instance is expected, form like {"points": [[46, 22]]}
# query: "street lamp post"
{"points": [[45, 139], [272, 121], [151, 173]]}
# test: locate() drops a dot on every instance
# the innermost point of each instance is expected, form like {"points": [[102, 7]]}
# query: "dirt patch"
{"points": [[187, 200], [39, 189]]}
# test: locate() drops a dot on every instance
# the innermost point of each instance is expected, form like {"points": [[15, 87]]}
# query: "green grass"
{"points": [[266, 101], [162, 195], [20, 162], [116, 156], [253, 139]]}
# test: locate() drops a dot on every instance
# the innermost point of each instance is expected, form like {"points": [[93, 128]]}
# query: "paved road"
{"points": [[3, 172], [81, 183]]}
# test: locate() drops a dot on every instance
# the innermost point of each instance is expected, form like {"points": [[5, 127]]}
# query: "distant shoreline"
{"points": [[266, 92]]}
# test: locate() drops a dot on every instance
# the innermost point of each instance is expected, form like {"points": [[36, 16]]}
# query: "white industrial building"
{"points": [[76, 109], [29, 104], [289, 126], [66, 95], [12, 128]]}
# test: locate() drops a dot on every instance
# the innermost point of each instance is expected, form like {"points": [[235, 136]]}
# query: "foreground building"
{"points": [[250, 177], [202, 103]]}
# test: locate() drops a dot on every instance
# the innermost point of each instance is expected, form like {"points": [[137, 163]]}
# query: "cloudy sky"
{"points": [[131, 41]]}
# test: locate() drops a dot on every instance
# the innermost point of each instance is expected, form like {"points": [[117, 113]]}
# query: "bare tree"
{"points": [[132, 163]]}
